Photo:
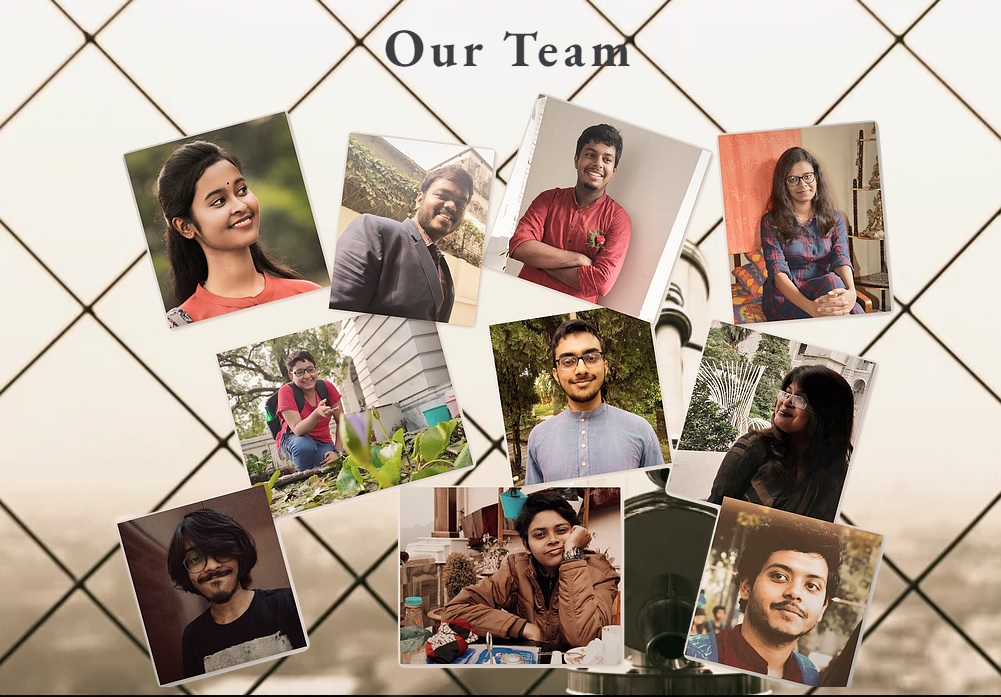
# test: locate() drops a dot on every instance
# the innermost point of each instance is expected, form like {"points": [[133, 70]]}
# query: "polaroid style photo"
{"points": [[344, 409], [596, 208], [580, 394], [805, 230], [411, 230], [785, 596], [227, 220], [212, 585], [772, 421], [471, 558]]}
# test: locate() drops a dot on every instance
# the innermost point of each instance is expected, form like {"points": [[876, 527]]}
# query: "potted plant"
{"points": [[457, 573]]}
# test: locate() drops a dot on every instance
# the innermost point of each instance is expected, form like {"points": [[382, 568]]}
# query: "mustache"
{"points": [[218, 573], [791, 607]]}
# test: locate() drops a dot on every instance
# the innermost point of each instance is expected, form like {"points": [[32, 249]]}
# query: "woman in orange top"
{"points": [[213, 223]]}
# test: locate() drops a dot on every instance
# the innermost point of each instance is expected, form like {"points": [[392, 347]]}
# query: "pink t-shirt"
{"points": [[286, 402], [202, 304], [555, 218]]}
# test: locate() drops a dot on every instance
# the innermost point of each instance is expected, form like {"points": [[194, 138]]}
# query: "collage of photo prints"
{"points": [[556, 565]]}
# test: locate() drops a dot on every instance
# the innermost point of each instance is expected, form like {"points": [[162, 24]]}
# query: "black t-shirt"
{"points": [[270, 626]]}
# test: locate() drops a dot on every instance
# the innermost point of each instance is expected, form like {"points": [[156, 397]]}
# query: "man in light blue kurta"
{"points": [[589, 437]]}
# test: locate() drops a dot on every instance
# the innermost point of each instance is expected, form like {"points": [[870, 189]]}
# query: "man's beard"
{"points": [[220, 596], [436, 233], [769, 633], [592, 390]]}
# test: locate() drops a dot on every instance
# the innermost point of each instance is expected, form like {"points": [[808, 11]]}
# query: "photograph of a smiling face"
{"points": [[227, 220], [401, 195], [772, 421], [789, 594], [596, 207], [580, 394], [212, 586]]}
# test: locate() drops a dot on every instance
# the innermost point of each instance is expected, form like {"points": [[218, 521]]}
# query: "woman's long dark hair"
{"points": [[829, 432], [780, 203], [175, 189]]}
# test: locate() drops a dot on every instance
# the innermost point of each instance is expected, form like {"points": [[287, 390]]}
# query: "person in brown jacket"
{"points": [[558, 593]]}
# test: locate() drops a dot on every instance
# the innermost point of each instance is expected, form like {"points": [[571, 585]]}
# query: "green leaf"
{"points": [[435, 440], [356, 445], [347, 482], [398, 436], [270, 485], [430, 472], [465, 459], [390, 475]]}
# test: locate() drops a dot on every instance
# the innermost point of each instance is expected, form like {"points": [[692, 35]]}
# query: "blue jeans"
{"points": [[304, 451]]}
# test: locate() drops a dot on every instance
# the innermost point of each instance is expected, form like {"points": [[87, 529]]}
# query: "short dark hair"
{"points": [[214, 533], [573, 326], [454, 173], [301, 355], [766, 539], [543, 501], [717, 608], [601, 133]]}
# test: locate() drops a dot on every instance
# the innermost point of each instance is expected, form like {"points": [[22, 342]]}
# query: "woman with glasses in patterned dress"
{"points": [[799, 463], [304, 437], [213, 224], [804, 242]]}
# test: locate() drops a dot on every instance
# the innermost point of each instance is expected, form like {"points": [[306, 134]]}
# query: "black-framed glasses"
{"points": [[796, 400], [304, 371], [809, 178], [570, 362], [195, 560]]}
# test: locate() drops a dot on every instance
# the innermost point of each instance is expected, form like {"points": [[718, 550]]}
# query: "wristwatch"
{"points": [[573, 554]]}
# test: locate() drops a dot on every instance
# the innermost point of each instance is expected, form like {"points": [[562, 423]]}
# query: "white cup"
{"points": [[611, 644]]}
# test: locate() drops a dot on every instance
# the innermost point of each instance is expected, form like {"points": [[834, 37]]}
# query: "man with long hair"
{"points": [[212, 555]]}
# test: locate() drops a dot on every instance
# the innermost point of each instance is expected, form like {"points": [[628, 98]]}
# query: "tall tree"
{"points": [[516, 349], [721, 343], [773, 354], [252, 373]]}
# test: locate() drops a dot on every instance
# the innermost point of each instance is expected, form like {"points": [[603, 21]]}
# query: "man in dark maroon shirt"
{"points": [[787, 577]]}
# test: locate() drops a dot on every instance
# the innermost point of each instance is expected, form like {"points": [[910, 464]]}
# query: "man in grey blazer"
{"points": [[387, 267]]}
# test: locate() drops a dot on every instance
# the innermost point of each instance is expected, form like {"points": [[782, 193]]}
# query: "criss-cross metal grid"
{"points": [[534, 679]]}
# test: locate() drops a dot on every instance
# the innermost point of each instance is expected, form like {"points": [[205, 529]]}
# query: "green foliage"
{"points": [[269, 485], [707, 427], [260, 464], [369, 466], [372, 185], [523, 360], [465, 243], [252, 373], [773, 353], [270, 165], [719, 346], [544, 409]]}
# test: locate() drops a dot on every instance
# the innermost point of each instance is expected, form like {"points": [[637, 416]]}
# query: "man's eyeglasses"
{"points": [[795, 400], [570, 362], [304, 371], [809, 178], [195, 561]]}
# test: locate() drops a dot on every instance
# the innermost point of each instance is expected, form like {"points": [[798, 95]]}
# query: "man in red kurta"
{"points": [[575, 240]]}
